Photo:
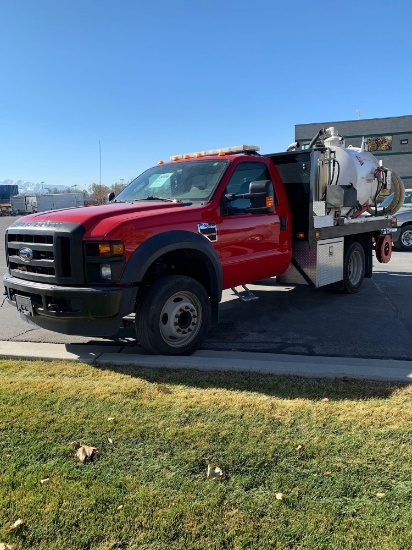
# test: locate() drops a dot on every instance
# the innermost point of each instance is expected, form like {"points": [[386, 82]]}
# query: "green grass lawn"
{"points": [[308, 464]]}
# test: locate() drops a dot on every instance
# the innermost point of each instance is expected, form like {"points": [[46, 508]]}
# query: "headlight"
{"points": [[104, 261], [104, 249]]}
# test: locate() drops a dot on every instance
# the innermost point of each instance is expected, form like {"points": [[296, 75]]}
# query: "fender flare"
{"points": [[158, 245]]}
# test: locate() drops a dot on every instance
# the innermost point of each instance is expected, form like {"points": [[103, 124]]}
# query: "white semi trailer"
{"points": [[54, 201]]}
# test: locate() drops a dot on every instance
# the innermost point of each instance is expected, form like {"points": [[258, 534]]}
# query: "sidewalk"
{"points": [[268, 363]]}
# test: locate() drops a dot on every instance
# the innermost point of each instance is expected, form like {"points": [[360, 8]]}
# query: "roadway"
{"points": [[376, 323]]}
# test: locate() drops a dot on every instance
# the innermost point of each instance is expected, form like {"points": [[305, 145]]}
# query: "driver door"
{"points": [[248, 243]]}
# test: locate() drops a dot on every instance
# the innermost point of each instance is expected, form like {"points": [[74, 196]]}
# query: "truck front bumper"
{"points": [[86, 311]]}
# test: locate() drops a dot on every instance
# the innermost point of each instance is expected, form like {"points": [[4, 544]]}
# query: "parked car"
{"points": [[402, 238]]}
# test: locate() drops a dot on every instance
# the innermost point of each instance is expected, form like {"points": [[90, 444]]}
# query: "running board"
{"points": [[245, 295]]}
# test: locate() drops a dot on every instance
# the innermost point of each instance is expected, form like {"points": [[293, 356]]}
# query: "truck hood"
{"points": [[404, 213], [91, 216]]}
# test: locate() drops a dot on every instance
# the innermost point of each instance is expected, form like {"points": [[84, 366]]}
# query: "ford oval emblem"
{"points": [[26, 254]]}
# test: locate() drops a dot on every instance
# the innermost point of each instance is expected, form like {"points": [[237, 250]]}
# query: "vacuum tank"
{"points": [[352, 180]]}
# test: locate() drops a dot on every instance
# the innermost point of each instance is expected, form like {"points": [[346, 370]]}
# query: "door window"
{"points": [[244, 173]]}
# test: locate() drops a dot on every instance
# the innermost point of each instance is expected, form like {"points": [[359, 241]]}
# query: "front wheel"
{"points": [[173, 316], [353, 268], [405, 238]]}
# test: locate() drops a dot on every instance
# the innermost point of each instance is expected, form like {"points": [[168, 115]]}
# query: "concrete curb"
{"points": [[207, 360]]}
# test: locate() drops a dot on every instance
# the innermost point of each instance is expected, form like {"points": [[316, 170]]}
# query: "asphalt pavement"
{"points": [[322, 333]]}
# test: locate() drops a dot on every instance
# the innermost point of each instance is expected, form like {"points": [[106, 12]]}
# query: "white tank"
{"points": [[354, 166]]}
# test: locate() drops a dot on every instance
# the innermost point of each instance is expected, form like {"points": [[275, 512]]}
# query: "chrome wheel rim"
{"points": [[355, 266], [180, 319], [406, 238]]}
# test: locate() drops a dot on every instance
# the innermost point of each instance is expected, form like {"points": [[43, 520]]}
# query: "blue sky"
{"points": [[150, 79]]}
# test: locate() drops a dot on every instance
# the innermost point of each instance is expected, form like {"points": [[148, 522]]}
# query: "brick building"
{"points": [[390, 139]]}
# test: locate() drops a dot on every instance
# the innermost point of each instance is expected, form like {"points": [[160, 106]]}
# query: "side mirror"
{"points": [[110, 196], [262, 197]]}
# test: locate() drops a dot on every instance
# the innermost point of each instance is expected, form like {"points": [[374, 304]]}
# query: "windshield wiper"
{"points": [[153, 198], [165, 199]]}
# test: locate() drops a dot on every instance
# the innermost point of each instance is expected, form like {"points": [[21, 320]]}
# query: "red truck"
{"points": [[181, 232]]}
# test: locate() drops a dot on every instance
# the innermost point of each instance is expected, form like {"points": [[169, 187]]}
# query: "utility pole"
{"points": [[100, 156]]}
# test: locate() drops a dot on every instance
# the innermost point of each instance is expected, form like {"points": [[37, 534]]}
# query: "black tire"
{"points": [[353, 268], [173, 316], [405, 238]]}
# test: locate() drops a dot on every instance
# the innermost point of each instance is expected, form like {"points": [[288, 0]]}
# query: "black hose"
{"points": [[337, 179], [333, 172]]}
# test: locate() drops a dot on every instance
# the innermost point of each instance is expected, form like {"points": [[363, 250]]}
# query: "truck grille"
{"points": [[40, 255]]}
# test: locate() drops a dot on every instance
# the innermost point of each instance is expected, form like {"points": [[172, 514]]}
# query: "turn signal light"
{"points": [[300, 235], [111, 249], [269, 202], [118, 249], [104, 249]]}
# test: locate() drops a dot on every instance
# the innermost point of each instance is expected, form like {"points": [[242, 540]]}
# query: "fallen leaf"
{"points": [[214, 472], [163, 389], [110, 440], [380, 495], [325, 399], [84, 452], [45, 480], [120, 507], [110, 418], [279, 496], [4, 546], [299, 447], [326, 473], [16, 524]]}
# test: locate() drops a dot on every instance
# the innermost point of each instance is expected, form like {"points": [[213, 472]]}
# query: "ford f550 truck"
{"points": [[180, 233]]}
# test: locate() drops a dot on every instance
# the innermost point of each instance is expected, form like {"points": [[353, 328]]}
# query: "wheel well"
{"points": [[191, 263]]}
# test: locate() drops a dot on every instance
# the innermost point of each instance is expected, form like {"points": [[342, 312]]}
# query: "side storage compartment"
{"points": [[318, 266]]}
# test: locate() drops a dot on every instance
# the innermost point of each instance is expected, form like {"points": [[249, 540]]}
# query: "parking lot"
{"points": [[376, 323]]}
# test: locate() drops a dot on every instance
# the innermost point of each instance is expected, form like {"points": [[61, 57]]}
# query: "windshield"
{"points": [[408, 198], [187, 181]]}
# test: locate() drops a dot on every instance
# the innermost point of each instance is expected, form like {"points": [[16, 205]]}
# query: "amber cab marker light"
{"points": [[198, 155], [104, 249], [186, 156], [222, 153], [300, 235], [175, 158], [161, 162], [118, 249]]}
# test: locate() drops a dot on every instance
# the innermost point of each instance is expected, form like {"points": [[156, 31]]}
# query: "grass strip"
{"points": [[308, 464]]}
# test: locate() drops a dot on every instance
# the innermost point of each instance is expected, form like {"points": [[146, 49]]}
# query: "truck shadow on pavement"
{"points": [[373, 324]]}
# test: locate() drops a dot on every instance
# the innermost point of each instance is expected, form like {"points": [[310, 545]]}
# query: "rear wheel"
{"points": [[173, 316], [405, 238], [353, 268]]}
